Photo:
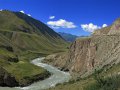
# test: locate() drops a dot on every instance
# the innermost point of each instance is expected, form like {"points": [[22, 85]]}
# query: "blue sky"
{"points": [[79, 17]]}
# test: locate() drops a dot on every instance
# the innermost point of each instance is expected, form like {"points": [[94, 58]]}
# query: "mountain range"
{"points": [[68, 37]]}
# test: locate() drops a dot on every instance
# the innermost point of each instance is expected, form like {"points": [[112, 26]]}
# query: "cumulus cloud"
{"points": [[92, 27], [104, 25], [61, 23], [51, 17], [29, 15], [22, 11]]}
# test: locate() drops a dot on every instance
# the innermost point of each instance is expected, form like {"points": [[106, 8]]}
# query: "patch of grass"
{"points": [[24, 69], [5, 52]]}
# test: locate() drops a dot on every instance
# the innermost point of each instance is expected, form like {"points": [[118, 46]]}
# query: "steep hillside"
{"points": [[91, 53], [23, 38], [28, 33]]}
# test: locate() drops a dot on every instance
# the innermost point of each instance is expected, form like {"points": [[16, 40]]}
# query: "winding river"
{"points": [[56, 77]]}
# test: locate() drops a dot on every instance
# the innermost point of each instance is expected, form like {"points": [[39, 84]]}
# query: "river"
{"points": [[56, 77]]}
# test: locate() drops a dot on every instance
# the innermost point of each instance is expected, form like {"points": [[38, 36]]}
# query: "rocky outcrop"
{"points": [[100, 50], [58, 60], [6, 79]]}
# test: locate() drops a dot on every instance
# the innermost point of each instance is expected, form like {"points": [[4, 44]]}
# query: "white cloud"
{"points": [[91, 27], [61, 23], [104, 25], [29, 15], [22, 11], [51, 17]]}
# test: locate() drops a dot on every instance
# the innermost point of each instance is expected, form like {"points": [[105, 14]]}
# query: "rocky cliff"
{"points": [[85, 55]]}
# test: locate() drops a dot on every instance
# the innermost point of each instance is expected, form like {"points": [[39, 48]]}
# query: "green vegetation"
{"points": [[27, 33], [101, 83], [22, 39], [25, 72]]}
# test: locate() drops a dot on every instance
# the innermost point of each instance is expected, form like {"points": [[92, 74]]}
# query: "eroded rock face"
{"points": [[6, 79], [90, 53], [93, 53]]}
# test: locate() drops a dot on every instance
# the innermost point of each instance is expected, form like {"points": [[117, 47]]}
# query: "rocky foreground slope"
{"points": [[101, 49]]}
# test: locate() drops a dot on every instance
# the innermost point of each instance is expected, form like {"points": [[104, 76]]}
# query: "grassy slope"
{"points": [[28, 40]]}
